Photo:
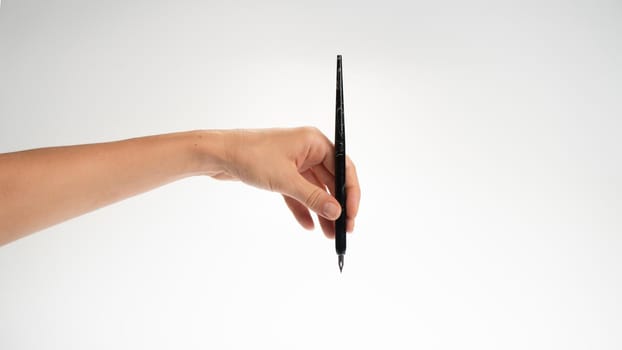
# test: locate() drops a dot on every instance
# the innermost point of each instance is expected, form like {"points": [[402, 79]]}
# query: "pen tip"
{"points": [[340, 263]]}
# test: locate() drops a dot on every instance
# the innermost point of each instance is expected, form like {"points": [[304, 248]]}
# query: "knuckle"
{"points": [[350, 163], [313, 199], [350, 166], [310, 132], [311, 129]]}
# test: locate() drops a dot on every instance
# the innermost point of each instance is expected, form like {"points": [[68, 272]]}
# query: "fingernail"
{"points": [[330, 210]]}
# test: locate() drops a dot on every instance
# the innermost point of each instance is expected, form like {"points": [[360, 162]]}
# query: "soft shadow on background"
{"points": [[486, 137]]}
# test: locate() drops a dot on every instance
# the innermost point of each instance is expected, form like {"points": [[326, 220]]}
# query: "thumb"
{"points": [[314, 197]]}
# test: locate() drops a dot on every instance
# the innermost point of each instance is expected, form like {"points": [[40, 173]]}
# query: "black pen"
{"points": [[340, 168]]}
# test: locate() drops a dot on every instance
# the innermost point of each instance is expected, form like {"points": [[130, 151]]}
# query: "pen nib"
{"points": [[340, 263]]}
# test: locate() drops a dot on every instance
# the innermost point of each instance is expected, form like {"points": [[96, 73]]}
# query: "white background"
{"points": [[486, 136]]}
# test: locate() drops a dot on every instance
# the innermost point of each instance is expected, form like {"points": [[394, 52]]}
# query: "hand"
{"points": [[298, 163]]}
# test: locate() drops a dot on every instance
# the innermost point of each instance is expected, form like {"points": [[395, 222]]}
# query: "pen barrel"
{"points": [[340, 163], [340, 195]]}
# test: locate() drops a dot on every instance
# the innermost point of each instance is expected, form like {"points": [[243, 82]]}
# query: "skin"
{"points": [[43, 187]]}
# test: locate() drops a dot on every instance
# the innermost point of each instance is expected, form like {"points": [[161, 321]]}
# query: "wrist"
{"points": [[210, 153]]}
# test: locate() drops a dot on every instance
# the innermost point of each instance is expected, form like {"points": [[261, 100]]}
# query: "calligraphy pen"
{"points": [[340, 169]]}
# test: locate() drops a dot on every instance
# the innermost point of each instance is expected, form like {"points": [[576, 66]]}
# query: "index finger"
{"points": [[353, 193]]}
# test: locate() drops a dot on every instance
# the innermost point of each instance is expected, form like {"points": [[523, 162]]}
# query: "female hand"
{"points": [[299, 163], [42, 187]]}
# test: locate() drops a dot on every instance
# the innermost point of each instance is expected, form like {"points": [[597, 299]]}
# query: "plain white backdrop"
{"points": [[486, 137]]}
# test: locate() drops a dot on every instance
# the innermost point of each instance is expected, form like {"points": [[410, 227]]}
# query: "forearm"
{"points": [[42, 187]]}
